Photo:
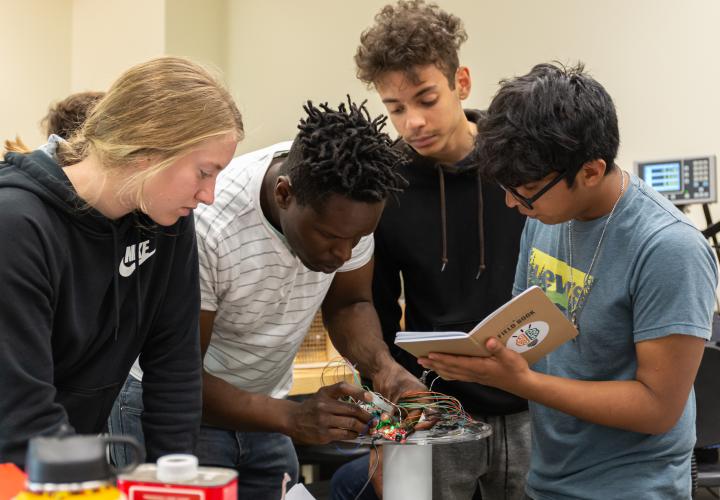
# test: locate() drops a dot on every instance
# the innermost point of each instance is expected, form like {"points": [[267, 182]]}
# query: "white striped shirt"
{"points": [[264, 298]]}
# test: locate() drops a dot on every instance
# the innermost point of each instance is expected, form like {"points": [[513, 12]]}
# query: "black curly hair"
{"points": [[343, 152], [554, 119], [407, 35]]}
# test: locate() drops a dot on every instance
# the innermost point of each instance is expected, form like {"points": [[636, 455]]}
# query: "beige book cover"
{"points": [[529, 324]]}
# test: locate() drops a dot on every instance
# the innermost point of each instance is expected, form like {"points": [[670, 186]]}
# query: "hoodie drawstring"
{"points": [[138, 302], [481, 228], [507, 454], [443, 217], [116, 281], [480, 222]]}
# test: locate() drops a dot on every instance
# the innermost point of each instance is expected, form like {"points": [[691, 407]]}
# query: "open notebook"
{"points": [[529, 324]]}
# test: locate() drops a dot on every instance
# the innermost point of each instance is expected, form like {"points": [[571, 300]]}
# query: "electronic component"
{"points": [[378, 404], [381, 404], [391, 429], [681, 180], [395, 421]]}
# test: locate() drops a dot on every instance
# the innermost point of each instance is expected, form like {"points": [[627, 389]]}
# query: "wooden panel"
{"points": [[315, 355]]}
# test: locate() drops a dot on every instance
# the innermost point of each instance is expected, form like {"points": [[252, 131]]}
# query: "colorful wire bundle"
{"points": [[409, 411]]}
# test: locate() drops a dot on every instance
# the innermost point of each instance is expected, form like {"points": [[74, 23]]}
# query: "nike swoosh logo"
{"points": [[128, 262], [125, 270]]}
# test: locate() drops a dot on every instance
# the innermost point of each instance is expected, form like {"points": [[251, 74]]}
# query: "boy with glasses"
{"points": [[528, 202], [613, 412]]}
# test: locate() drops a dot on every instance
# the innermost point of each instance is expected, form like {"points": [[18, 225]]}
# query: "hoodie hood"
{"points": [[41, 175]]}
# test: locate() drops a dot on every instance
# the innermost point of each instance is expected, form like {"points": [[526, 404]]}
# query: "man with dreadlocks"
{"points": [[449, 242], [291, 229]]}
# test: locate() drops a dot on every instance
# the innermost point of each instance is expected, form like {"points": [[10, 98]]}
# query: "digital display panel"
{"points": [[683, 181], [663, 177]]}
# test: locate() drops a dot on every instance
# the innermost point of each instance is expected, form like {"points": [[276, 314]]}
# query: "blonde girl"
{"points": [[98, 261]]}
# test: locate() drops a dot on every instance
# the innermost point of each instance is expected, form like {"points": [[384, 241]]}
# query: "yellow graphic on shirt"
{"points": [[553, 276]]}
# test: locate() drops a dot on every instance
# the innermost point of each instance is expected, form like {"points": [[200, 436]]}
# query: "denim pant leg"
{"points": [[261, 459], [350, 478], [126, 419]]}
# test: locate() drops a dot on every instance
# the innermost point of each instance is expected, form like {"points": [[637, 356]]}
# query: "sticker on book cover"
{"points": [[528, 336]]}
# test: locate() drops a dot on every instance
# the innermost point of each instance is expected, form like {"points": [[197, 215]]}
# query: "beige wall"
{"points": [[53, 48], [283, 52], [659, 59], [109, 36], [35, 55], [198, 33]]}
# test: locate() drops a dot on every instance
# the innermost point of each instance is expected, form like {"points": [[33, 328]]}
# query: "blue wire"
{"points": [[348, 451]]}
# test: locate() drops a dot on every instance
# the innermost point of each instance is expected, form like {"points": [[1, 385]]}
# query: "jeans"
{"points": [[126, 419], [261, 459], [349, 479], [494, 468]]}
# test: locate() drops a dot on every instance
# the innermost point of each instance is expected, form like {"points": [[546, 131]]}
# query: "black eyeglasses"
{"points": [[528, 202]]}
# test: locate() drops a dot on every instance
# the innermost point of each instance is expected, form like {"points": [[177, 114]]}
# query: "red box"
{"points": [[12, 481], [211, 483]]}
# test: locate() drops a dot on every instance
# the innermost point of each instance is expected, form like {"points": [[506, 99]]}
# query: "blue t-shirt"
{"points": [[654, 276]]}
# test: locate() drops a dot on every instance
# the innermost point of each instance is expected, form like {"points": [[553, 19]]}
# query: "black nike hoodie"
{"points": [[456, 244], [82, 296]]}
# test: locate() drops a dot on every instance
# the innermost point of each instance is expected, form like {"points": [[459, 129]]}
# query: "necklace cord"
{"points": [[584, 292]]}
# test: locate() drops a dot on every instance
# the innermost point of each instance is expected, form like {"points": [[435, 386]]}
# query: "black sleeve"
{"points": [[27, 400], [386, 289], [172, 387]]}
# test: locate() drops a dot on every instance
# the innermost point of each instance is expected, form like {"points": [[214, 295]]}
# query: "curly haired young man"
{"points": [[449, 242]]}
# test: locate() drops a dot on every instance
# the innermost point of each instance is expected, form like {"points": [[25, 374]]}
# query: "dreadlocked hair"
{"points": [[343, 152]]}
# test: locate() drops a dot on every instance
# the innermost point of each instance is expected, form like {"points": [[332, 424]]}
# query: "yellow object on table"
{"points": [[106, 492]]}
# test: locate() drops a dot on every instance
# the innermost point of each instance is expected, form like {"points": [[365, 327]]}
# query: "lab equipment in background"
{"points": [[683, 181]]}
